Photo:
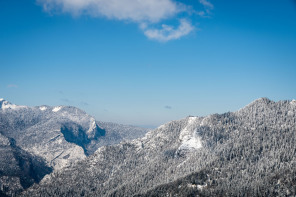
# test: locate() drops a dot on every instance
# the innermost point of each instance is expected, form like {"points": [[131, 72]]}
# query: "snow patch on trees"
{"points": [[92, 125], [188, 136], [56, 109], [4, 141], [43, 108], [7, 105]]}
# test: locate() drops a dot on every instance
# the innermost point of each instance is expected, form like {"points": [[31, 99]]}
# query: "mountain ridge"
{"points": [[238, 152], [60, 135]]}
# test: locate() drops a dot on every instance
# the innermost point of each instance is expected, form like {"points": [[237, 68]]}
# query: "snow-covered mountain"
{"points": [[250, 152], [56, 137]]}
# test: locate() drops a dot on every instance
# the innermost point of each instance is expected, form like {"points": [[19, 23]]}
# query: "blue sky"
{"points": [[150, 63]]}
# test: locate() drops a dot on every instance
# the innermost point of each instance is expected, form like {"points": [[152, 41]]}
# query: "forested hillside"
{"points": [[35, 141], [250, 152]]}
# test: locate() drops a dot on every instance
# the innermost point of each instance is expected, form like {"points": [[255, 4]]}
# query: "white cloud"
{"points": [[134, 10], [169, 32], [143, 12]]}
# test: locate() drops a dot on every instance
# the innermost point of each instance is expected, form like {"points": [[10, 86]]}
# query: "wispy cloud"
{"points": [[12, 86], [168, 107], [84, 103], [169, 32], [146, 13], [207, 5], [65, 100]]}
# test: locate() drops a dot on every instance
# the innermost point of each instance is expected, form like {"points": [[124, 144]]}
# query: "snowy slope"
{"points": [[60, 135]]}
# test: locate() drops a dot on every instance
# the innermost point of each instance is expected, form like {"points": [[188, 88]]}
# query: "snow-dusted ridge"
{"points": [[264, 101], [259, 100]]}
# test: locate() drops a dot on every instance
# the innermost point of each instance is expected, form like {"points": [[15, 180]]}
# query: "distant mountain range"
{"points": [[35, 141], [250, 152]]}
